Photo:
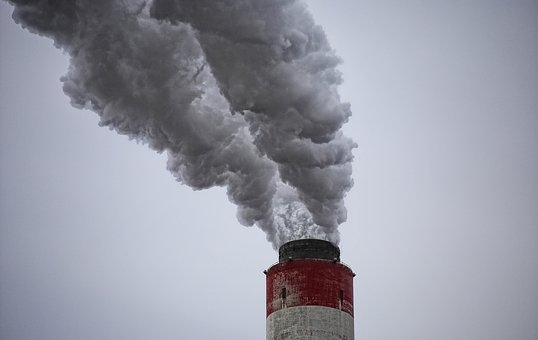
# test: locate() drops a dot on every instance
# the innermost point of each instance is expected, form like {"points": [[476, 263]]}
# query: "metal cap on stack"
{"points": [[309, 249]]}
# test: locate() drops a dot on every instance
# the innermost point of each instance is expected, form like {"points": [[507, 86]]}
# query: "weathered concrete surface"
{"points": [[310, 323], [309, 282], [309, 293]]}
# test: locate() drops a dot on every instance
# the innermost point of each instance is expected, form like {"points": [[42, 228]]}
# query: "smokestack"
{"points": [[309, 293]]}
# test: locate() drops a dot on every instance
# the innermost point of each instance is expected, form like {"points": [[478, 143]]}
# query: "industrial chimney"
{"points": [[309, 293]]}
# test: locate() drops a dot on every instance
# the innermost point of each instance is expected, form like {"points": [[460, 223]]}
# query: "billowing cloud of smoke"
{"points": [[239, 93]]}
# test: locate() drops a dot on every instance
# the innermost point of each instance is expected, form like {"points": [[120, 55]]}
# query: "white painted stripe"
{"points": [[310, 323]]}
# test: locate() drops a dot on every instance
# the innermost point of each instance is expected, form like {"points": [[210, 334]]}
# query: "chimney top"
{"points": [[308, 249]]}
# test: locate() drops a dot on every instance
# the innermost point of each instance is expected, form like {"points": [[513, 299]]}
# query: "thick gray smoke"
{"points": [[238, 93]]}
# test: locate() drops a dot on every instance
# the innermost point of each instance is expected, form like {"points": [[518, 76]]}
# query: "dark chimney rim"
{"points": [[308, 249]]}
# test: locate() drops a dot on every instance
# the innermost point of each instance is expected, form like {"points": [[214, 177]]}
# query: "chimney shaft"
{"points": [[309, 293]]}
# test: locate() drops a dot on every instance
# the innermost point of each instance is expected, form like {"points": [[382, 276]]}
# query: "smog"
{"points": [[238, 93]]}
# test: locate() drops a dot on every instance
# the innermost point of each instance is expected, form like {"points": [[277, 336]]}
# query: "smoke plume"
{"points": [[238, 93]]}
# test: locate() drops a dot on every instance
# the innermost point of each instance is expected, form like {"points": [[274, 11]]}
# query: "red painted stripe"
{"points": [[309, 282]]}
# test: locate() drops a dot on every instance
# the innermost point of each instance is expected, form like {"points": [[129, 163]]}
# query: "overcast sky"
{"points": [[98, 241]]}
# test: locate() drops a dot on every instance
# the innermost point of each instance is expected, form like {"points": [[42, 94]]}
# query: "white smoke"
{"points": [[238, 93]]}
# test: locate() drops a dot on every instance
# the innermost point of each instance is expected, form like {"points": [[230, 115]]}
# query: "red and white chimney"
{"points": [[309, 293]]}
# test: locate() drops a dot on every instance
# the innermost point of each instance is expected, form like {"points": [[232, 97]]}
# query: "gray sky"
{"points": [[98, 241]]}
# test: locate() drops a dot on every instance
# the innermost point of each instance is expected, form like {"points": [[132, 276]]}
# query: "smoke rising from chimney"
{"points": [[238, 93]]}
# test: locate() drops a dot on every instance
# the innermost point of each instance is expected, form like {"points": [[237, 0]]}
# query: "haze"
{"points": [[98, 241]]}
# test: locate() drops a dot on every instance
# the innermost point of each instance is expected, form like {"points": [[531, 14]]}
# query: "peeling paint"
{"points": [[309, 293], [310, 282], [310, 323]]}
